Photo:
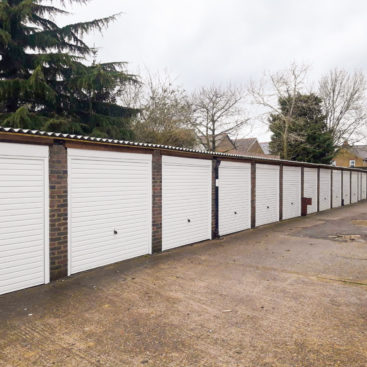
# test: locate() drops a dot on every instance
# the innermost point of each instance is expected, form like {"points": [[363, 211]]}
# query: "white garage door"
{"points": [[267, 194], [364, 184], [186, 201], [337, 188], [360, 186], [310, 188], [291, 192], [24, 259], [354, 197], [110, 207], [346, 187], [325, 186], [234, 197]]}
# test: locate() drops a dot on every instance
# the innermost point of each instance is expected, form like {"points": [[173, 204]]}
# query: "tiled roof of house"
{"points": [[218, 138], [360, 151], [265, 147], [244, 145]]}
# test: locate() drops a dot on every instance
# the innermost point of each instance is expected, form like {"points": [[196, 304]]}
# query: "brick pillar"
{"points": [[253, 195], [58, 176], [157, 202], [281, 192]]}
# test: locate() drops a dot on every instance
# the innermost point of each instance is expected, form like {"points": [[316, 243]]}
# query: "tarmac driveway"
{"points": [[290, 294]]}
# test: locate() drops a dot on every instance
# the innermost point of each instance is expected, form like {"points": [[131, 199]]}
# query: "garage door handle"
{"points": [[267, 207], [235, 213], [115, 232], [292, 203], [189, 220]]}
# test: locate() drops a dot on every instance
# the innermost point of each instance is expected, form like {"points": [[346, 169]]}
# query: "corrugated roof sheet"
{"points": [[76, 137]]}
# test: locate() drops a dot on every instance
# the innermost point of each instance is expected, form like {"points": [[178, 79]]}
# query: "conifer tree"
{"points": [[45, 81], [309, 139]]}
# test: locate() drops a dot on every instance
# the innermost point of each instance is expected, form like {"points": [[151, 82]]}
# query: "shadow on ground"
{"points": [[288, 294]]}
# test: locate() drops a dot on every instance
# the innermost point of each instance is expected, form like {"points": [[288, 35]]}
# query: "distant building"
{"points": [[223, 143], [249, 146], [246, 146], [265, 147], [351, 156]]}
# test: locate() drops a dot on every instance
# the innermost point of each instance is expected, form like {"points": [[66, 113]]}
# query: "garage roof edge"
{"points": [[83, 138]]}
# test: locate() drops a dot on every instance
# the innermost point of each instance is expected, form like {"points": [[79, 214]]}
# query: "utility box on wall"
{"points": [[305, 203]]}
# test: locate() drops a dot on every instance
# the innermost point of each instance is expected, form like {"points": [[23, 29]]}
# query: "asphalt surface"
{"points": [[289, 294]]}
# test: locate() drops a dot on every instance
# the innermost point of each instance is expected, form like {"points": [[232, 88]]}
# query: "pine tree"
{"points": [[45, 82], [309, 139]]}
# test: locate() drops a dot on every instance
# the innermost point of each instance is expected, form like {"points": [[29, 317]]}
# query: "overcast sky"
{"points": [[201, 42]]}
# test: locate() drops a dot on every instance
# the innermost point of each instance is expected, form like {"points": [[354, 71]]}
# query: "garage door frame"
{"points": [[110, 155], [226, 166], [274, 172], [181, 163], [35, 152], [288, 209]]}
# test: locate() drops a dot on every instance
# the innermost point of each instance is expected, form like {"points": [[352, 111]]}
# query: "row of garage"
{"points": [[110, 204]]}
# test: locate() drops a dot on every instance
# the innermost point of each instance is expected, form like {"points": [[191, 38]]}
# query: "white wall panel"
{"points": [[325, 188], [354, 197], [234, 197], [337, 188], [291, 192], [24, 204], [310, 188], [110, 207], [186, 201], [346, 187], [267, 194]]}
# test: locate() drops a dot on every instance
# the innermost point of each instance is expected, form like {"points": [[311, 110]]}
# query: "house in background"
{"points": [[246, 146], [249, 146], [266, 147], [351, 156], [223, 143]]}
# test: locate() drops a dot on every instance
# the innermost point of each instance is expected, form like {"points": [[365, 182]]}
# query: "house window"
{"points": [[352, 163], [333, 163]]}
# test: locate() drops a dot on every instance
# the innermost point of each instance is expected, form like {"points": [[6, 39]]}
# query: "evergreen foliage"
{"points": [[45, 82], [309, 139]]}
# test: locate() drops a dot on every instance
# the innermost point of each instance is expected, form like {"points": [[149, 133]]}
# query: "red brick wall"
{"points": [[58, 212], [157, 202]]}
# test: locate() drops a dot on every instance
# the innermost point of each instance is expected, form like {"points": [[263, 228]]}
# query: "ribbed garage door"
{"points": [[186, 201], [291, 192], [360, 186], [325, 188], [310, 188], [346, 187], [110, 207], [267, 194], [364, 184], [234, 197], [354, 197], [337, 188], [23, 216]]}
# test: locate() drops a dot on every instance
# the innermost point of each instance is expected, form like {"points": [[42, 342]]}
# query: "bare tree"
{"points": [[273, 87], [217, 110], [344, 103], [165, 112]]}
